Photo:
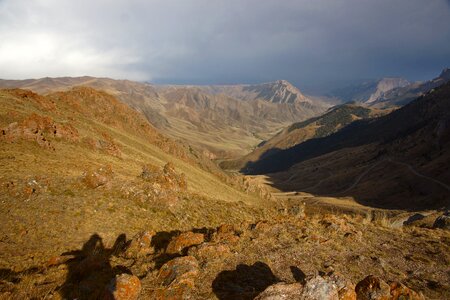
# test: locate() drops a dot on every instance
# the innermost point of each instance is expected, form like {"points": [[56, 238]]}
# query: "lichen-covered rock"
{"points": [[183, 241], [372, 288], [175, 279], [226, 233], [401, 292], [97, 178], [140, 245], [346, 289], [319, 288], [281, 291], [210, 251], [123, 287]]}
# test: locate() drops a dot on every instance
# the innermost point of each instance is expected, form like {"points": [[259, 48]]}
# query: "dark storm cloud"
{"points": [[210, 41]]}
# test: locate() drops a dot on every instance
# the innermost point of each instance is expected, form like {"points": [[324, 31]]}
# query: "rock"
{"points": [[210, 251], [100, 177], [319, 288], [372, 288], [178, 270], [413, 218], [346, 289], [226, 233], [58, 260], [140, 245], [401, 292], [176, 278], [281, 291], [123, 287], [183, 241], [443, 221]]}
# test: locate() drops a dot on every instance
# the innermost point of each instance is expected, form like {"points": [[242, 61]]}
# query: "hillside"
{"points": [[78, 162], [404, 154], [403, 95], [95, 202], [317, 127], [223, 121], [369, 91]]}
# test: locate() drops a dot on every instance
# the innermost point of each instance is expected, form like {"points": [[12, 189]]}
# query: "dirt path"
{"points": [[411, 169]]}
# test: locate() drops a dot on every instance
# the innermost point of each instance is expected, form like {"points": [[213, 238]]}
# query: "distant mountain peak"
{"points": [[385, 85], [280, 91], [445, 74]]}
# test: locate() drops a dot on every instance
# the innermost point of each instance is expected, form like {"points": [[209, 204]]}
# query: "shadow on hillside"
{"points": [[89, 271], [372, 178], [246, 282]]}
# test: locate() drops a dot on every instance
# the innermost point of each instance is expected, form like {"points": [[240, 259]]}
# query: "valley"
{"points": [[107, 183]]}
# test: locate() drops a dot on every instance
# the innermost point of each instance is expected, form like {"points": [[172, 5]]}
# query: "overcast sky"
{"points": [[309, 42]]}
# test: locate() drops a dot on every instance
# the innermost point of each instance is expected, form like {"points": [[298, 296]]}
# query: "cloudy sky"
{"points": [[312, 43]]}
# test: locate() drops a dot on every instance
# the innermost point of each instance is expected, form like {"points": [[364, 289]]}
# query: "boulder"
{"points": [[176, 279], [210, 251], [443, 221], [401, 292], [184, 241], [226, 233], [372, 288], [281, 291], [140, 245], [319, 288], [123, 287]]}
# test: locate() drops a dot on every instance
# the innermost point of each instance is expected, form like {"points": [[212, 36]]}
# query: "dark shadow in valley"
{"points": [[244, 283]]}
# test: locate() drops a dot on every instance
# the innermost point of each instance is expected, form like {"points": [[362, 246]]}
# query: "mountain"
{"points": [[404, 155], [280, 91], [403, 95], [333, 120], [224, 121], [369, 91]]}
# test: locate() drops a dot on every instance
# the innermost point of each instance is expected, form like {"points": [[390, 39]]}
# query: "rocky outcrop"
{"points": [[185, 240], [123, 287]]}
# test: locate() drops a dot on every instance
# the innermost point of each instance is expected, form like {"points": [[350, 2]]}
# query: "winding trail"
{"points": [[411, 169]]}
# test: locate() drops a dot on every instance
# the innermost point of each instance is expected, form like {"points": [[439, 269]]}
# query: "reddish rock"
{"points": [[183, 241], [210, 251], [401, 292], [372, 288], [346, 289], [176, 279], [179, 270], [100, 177], [281, 291], [140, 245], [123, 287], [226, 233]]}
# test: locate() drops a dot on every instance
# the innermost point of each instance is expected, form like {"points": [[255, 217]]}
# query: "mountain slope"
{"points": [[416, 137], [225, 121], [317, 127], [369, 91], [403, 95]]}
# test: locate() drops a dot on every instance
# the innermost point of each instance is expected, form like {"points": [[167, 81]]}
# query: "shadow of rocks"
{"points": [[246, 282]]}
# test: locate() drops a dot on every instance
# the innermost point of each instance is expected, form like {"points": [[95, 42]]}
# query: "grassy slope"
{"points": [[63, 212]]}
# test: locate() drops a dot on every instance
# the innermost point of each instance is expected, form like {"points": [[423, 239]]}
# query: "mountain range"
{"points": [[224, 121], [401, 153]]}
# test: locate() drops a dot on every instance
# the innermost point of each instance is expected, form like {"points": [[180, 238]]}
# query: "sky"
{"points": [[315, 44]]}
